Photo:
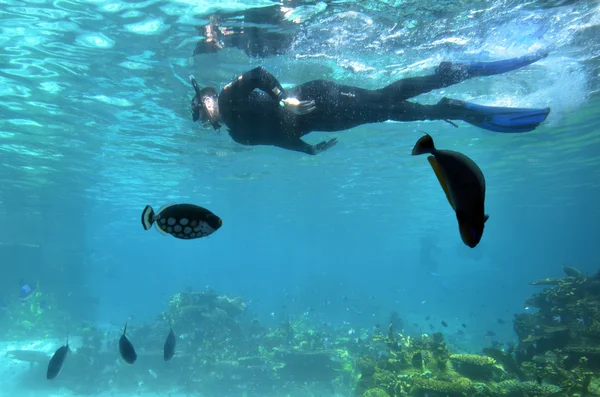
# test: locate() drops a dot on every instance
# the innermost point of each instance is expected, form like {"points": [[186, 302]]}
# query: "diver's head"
{"points": [[212, 43], [471, 228], [205, 105]]}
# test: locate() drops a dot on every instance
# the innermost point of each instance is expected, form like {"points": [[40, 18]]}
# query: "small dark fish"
{"points": [[490, 333], [431, 326], [463, 325], [56, 362], [500, 321], [126, 348], [444, 323], [464, 186], [427, 318], [571, 271], [169, 349], [184, 221]]}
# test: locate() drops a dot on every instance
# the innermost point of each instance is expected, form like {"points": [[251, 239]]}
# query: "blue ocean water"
{"points": [[95, 125]]}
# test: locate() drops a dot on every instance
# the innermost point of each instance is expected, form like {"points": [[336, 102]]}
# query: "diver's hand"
{"points": [[322, 146], [298, 107]]}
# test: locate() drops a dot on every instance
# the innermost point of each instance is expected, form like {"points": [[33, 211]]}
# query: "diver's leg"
{"points": [[410, 111], [492, 118], [450, 73], [465, 70], [404, 89], [337, 107]]}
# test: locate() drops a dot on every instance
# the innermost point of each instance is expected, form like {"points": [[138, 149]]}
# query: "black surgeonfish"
{"points": [[170, 343], [126, 348], [464, 186], [56, 362], [184, 221]]}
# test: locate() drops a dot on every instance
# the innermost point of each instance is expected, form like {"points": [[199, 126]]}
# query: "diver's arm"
{"points": [[299, 145], [257, 78]]}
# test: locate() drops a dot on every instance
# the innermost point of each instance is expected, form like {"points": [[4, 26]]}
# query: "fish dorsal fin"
{"points": [[441, 178]]}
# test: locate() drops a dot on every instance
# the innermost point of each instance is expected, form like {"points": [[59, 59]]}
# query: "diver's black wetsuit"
{"points": [[256, 117]]}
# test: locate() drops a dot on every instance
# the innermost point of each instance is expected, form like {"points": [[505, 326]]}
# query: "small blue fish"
{"points": [[26, 292]]}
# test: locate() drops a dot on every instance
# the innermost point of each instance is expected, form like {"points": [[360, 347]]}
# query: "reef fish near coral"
{"points": [[126, 348], [56, 362], [170, 343]]}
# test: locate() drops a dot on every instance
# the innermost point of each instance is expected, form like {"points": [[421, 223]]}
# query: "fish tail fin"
{"points": [[147, 217], [424, 145]]}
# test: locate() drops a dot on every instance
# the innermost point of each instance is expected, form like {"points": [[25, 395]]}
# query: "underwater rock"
{"points": [[417, 360], [571, 271], [32, 356]]}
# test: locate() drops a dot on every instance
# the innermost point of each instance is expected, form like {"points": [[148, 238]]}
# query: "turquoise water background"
{"points": [[95, 124]]}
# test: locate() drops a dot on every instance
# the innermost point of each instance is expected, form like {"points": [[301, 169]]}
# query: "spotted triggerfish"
{"points": [[464, 185], [126, 348], [170, 343], [56, 362], [184, 221]]}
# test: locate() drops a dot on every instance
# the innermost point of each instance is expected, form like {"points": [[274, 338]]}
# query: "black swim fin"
{"points": [[499, 119]]}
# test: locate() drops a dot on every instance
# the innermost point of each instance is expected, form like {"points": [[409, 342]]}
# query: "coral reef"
{"points": [[558, 352], [222, 348], [37, 317]]}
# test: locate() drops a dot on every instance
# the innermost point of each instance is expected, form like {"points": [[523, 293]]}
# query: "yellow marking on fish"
{"points": [[439, 173]]}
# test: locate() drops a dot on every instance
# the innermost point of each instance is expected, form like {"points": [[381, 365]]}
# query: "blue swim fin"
{"points": [[499, 119], [464, 70]]}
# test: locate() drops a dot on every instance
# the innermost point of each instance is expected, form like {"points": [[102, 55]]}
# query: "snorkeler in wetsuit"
{"points": [[258, 111]]}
